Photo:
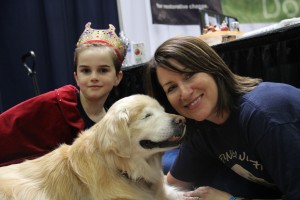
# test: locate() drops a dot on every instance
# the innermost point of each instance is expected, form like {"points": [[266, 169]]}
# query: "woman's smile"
{"points": [[194, 104]]}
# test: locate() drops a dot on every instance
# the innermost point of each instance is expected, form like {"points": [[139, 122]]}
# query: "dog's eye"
{"points": [[147, 115]]}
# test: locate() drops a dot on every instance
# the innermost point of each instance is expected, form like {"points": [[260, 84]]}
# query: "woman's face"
{"points": [[96, 74], [193, 95]]}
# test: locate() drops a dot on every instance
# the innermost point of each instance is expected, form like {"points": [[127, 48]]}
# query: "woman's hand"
{"points": [[206, 193]]}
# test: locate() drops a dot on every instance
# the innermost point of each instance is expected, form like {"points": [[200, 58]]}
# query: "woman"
{"points": [[243, 136], [38, 125]]}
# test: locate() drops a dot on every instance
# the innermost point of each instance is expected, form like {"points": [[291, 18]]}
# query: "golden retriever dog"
{"points": [[118, 158]]}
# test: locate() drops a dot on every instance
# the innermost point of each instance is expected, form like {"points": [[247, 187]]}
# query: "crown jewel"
{"points": [[107, 37]]}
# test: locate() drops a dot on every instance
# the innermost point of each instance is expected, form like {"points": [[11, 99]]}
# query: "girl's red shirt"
{"points": [[39, 125]]}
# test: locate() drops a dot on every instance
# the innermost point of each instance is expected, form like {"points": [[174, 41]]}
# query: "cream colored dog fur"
{"points": [[118, 158]]}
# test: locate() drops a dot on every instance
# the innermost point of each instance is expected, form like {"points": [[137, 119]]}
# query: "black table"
{"points": [[132, 83], [273, 56]]}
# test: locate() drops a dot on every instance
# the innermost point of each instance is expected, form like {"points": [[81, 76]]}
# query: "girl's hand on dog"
{"points": [[206, 193]]}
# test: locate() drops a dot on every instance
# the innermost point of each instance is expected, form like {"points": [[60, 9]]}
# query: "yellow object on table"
{"points": [[217, 37]]}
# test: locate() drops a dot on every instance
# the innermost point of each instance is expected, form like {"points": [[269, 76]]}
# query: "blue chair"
{"points": [[168, 159]]}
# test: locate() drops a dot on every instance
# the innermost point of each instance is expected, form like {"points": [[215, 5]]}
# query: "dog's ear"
{"points": [[116, 134]]}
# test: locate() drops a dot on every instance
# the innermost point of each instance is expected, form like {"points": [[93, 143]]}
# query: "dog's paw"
{"points": [[173, 193]]}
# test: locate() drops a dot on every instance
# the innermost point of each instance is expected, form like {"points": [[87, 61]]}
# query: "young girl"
{"points": [[243, 134], [38, 125]]}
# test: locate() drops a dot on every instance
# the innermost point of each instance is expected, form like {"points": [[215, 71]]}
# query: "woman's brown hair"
{"points": [[197, 56]]}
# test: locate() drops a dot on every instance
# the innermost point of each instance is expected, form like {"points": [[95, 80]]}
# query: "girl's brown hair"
{"points": [[116, 61]]}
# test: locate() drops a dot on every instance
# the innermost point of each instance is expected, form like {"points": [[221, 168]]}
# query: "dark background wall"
{"points": [[51, 29]]}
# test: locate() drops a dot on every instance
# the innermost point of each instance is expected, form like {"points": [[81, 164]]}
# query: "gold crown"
{"points": [[107, 37]]}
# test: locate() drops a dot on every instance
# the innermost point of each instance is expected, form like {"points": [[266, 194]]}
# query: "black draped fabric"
{"points": [[51, 29], [273, 56]]}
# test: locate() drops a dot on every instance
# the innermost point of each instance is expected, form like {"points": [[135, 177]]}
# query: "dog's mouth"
{"points": [[170, 142]]}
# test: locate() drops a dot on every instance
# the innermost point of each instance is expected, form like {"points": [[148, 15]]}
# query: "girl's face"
{"points": [[193, 95], [96, 74]]}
